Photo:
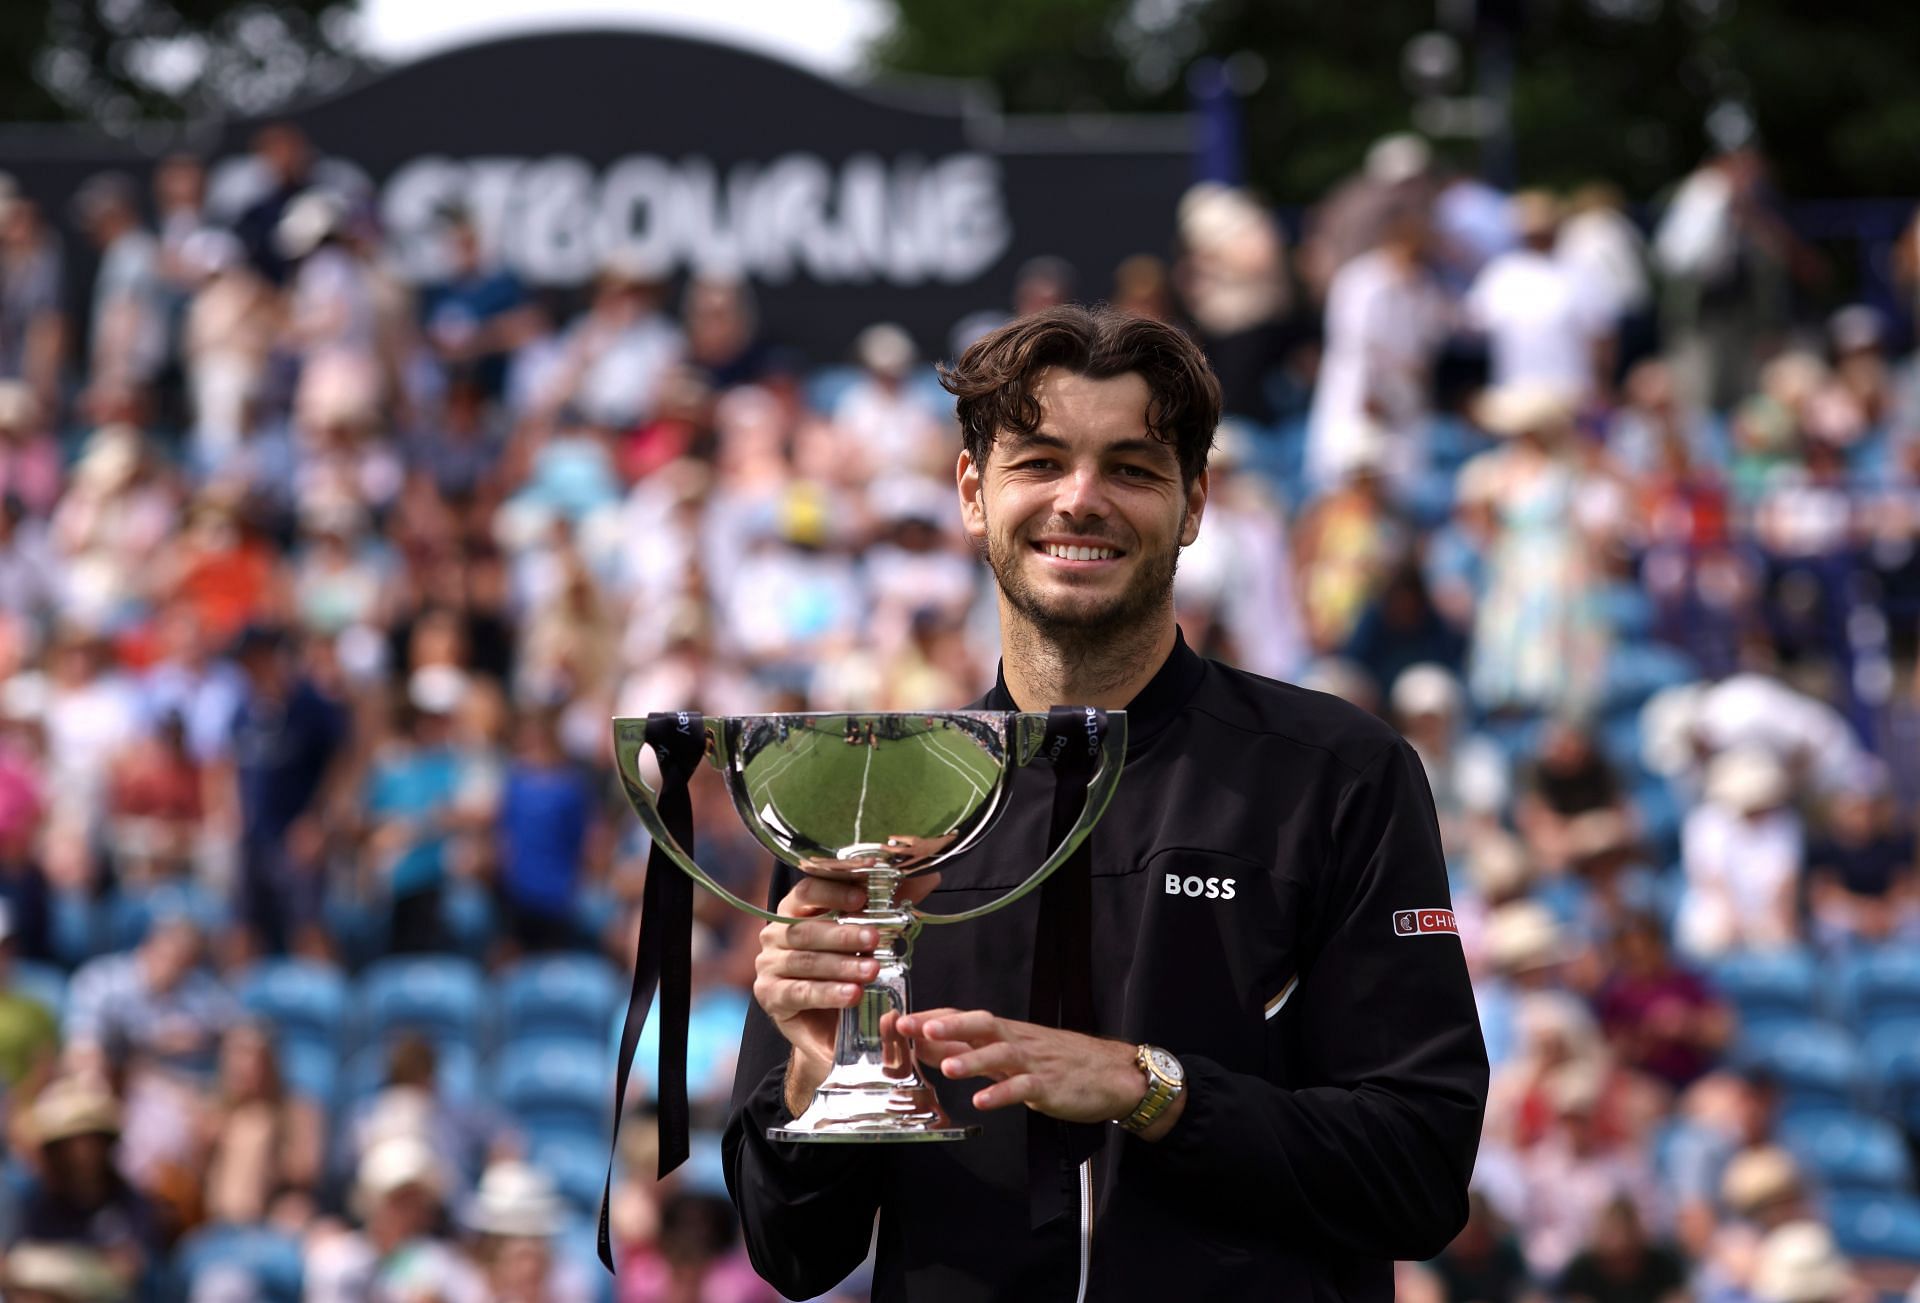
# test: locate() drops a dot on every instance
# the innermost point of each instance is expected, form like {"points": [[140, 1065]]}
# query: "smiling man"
{"points": [[1278, 1087]]}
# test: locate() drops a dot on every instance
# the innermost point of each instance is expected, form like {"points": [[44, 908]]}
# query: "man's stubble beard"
{"points": [[1083, 637]]}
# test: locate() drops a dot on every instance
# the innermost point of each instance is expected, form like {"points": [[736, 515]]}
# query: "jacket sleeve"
{"points": [[806, 1210], [1373, 1155]]}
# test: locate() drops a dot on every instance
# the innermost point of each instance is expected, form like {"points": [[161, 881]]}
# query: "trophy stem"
{"points": [[874, 1090]]}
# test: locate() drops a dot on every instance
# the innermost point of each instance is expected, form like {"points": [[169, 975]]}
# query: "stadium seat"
{"points": [[298, 997], [1627, 610], [1637, 670], [1765, 984], [555, 1083], [42, 982], [1876, 1227], [310, 1068], [457, 1072], [1814, 1062], [578, 1166], [439, 996], [469, 918], [272, 1260], [1893, 1065], [1882, 983], [130, 914], [558, 994], [1849, 1151], [579, 1241]]}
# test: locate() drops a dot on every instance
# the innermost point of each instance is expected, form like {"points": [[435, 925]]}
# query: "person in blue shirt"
{"points": [[546, 813], [411, 799]]}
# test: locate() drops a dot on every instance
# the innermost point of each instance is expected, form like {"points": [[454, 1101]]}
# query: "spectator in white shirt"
{"points": [[1386, 320], [1542, 325], [1741, 850]]}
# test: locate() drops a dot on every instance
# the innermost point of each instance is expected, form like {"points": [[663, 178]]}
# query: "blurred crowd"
{"points": [[318, 588]]}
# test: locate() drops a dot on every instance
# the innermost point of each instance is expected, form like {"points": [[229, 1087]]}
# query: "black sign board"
{"points": [[841, 205]]}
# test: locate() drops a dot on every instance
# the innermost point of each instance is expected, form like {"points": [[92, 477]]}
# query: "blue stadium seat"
{"points": [[1882, 983], [310, 1068], [1876, 1227], [42, 982], [439, 996], [272, 1259], [578, 1166], [579, 1241], [1637, 670], [1893, 1065], [298, 997], [555, 1084], [558, 994], [130, 914], [457, 1072], [827, 386], [1814, 1062], [1849, 1151], [1769, 983], [1627, 610], [469, 918]]}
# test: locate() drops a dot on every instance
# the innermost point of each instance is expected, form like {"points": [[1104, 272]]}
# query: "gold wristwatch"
{"points": [[1166, 1079]]}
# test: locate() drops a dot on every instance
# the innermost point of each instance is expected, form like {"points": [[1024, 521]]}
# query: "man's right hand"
{"points": [[808, 972]]}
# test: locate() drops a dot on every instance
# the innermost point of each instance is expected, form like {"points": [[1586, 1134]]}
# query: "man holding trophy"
{"points": [[1229, 1050]]}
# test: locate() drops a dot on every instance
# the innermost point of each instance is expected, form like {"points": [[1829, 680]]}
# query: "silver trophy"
{"points": [[874, 798]]}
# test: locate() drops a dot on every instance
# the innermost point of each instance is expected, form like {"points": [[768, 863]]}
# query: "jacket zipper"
{"points": [[1086, 1227]]}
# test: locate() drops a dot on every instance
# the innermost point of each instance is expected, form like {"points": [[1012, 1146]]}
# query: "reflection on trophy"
{"points": [[873, 798]]}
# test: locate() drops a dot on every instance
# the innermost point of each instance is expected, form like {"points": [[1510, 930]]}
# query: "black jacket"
{"points": [[1270, 904]]}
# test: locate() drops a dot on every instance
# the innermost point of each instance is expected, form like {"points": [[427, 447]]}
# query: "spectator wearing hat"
{"points": [[398, 1252], [1799, 1263], [289, 752], [1742, 850], [885, 425], [1466, 771], [1541, 327], [1761, 1191], [232, 322], [1539, 641], [29, 1033], [49, 1272], [513, 1218], [78, 1195]]}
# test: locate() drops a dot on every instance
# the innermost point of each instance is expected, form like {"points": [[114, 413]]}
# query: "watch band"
{"points": [[1161, 1092]]}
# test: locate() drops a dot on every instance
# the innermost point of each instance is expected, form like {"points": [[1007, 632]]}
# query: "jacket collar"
{"points": [[1156, 705]]}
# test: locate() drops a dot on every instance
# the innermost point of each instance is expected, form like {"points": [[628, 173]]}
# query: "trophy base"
{"points": [[851, 1116]]}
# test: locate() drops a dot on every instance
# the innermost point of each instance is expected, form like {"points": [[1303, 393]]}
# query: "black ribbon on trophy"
{"points": [[663, 958], [1062, 989]]}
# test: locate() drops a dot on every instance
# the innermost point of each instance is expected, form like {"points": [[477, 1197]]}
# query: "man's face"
{"points": [[1091, 476]]}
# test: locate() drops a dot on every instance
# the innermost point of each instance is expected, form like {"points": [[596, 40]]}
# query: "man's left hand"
{"points": [[1062, 1074]]}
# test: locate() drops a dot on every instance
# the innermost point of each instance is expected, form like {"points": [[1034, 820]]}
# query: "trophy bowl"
{"points": [[875, 798]]}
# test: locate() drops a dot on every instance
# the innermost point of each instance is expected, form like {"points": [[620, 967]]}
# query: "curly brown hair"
{"points": [[993, 380]]}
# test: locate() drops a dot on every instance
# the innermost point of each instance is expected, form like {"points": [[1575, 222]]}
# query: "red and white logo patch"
{"points": [[1423, 922]]}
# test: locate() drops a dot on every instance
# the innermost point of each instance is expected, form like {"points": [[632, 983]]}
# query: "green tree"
{"points": [[1618, 89], [120, 63]]}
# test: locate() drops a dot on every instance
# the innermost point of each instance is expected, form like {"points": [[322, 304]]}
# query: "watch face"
{"points": [[1167, 1066]]}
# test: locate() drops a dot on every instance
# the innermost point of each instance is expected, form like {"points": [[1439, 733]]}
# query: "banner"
{"points": [[841, 205]]}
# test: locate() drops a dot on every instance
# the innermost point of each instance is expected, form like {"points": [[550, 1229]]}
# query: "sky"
{"points": [[826, 35]]}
